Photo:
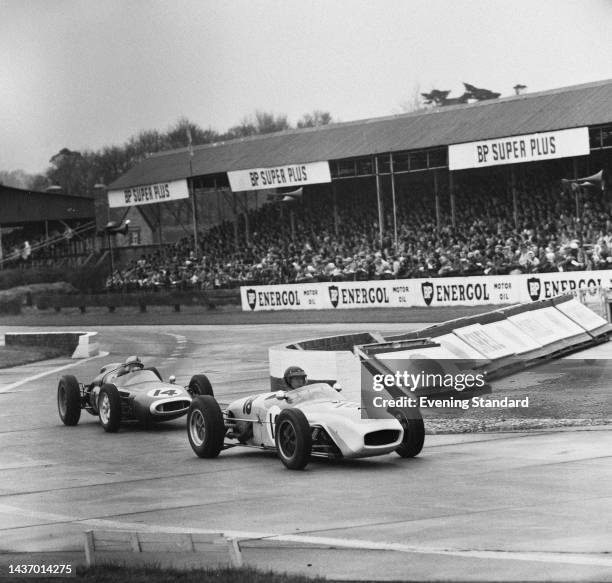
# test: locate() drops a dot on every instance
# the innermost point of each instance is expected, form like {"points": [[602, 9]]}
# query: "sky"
{"points": [[85, 74]]}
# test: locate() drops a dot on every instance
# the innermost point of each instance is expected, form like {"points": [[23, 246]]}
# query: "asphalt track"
{"points": [[480, 507]]}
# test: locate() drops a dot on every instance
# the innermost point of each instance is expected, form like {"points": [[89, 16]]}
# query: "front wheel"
{"points": [[414, 435], [69, 400], [200, 385], [205, 426], [293, 439], [109, 408]]}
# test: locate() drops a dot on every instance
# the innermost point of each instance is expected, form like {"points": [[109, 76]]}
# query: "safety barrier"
{"points": [[164, 549], [76, 344], [497, 343], [486, 290], [209, 298]]}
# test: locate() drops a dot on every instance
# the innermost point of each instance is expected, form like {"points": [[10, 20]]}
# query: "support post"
{"points": [[235, 210], [159, 225], [110, 252], [335, 205], [247, 228], [292, 221], [451, 188], [194, 212], [514, 198], [437, 200], [577, 189], [394, 201], [379, 201]]}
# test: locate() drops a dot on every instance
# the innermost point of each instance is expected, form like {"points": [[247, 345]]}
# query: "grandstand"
{"points": [[383, 198], [393, 207], [44, 228]]}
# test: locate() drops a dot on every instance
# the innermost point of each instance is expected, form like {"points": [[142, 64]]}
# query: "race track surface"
{"points": [[503, 506]]}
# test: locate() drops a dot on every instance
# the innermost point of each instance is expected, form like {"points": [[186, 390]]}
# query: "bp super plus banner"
{"points": [[517, 149], [148, 194], [279, 176]]}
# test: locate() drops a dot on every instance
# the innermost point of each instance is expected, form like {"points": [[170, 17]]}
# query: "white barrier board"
{"points": [[459, 348], [580, 314], [513, 336], [562, 322], [483, 341], [544, 327], [318, 364], [426, 353]]}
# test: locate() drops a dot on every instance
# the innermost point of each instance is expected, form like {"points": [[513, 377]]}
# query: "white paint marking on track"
{"points": [[593, 559], [51, 371]]}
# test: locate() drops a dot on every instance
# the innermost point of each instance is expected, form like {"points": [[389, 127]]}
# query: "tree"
{"points": [[69, 170], [78, 172], [15, 178], [178, 134], [315, 119], [38, 182], [261, 122]]}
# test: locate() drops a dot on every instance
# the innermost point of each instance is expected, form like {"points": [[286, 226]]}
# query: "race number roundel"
{"points": [[164, 393], [273, 413]]}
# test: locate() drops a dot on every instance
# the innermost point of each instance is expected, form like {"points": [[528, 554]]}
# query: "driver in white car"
{"points": [[295, 377]]}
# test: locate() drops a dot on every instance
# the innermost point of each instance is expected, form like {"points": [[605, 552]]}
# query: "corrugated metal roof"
{"points": [[20, 206], [576, 106]]}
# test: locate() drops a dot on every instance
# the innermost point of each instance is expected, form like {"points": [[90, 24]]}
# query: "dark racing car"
{"points": [[127, 391]]}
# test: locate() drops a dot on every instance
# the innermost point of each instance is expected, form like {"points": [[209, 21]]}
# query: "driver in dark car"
{"points": [[132, 364]]}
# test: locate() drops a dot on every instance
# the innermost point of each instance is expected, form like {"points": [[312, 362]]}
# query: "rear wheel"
{"points": [[414, 434], [200, 385], [293, 439], [69, 400], [109, 408], [205, 426]]}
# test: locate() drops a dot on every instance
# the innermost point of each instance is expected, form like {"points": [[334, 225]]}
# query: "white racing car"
{"points": [[303, 421]]}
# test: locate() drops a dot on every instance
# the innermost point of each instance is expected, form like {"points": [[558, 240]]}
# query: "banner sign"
{"points": [[440, 291], [517, 149], [279, 176], [148, 194]]}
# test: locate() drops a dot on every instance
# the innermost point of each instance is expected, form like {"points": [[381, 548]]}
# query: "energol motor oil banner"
{"points": [[440, 291]]}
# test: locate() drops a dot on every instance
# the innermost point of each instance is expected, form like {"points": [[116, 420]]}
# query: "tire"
{"points": [[414, 435], [200, 385], [109, 408], [153, 369], [69, 400], [293, 439], [205, 426]]}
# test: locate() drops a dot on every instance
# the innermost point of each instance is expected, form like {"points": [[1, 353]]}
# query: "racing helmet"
{"points": [[294, 372], [133, 362]]}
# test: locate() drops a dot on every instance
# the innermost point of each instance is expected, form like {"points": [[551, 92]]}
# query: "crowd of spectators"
{"points": [[320, 244]]}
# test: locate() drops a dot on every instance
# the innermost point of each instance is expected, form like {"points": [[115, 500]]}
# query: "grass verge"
{"points": [[232, 315], [17, 355], [118, 574]]}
